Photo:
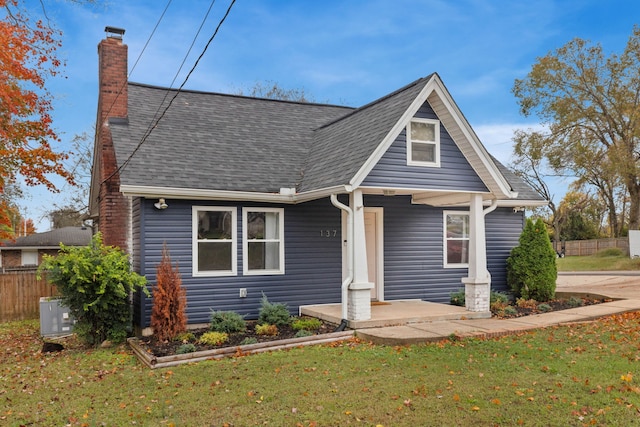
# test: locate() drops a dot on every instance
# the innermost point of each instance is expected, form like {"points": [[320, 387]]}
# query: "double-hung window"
{"points": [[456, 239], [423, 142], [214, 241], [263, 240]]}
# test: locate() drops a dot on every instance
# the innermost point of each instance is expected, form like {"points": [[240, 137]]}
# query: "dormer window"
{"points": [[423, 142]]}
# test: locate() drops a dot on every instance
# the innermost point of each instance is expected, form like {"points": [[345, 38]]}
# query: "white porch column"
{"points": [[359, 307], [478, 283]]}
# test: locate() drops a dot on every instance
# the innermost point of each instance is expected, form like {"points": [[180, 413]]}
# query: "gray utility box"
{"points": [[55, 319]]}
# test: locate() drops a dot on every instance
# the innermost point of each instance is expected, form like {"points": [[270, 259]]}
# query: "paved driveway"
{"points": [[614, 284]]}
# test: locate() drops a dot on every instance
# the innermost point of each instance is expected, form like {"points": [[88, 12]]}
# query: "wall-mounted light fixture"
{"points": [[518, 209], [161, 204]]}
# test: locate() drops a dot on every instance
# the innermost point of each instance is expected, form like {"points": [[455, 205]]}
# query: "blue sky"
{"points": [[347, 52]]}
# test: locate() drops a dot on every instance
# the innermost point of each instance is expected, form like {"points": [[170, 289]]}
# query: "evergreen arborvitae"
{"points": [[168, 314], [531, 268]]}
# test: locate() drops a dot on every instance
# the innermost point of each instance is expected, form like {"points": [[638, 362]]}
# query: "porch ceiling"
{"points": [[431, 198]]}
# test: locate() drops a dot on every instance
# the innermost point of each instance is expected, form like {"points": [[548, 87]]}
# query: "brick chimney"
{"points": [[113, 208]]}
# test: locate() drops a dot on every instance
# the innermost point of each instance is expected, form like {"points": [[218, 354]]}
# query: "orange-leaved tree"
{"points": [[168, 313], [27, 59]]}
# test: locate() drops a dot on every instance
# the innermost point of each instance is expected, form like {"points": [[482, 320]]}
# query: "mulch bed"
{"points": [[168, 348], [532, 307]]}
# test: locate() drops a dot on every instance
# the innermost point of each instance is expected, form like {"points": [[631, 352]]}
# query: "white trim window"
{"points": [[456, 239], [29, 257], [423, 142], [215, 243], [263, 241]]}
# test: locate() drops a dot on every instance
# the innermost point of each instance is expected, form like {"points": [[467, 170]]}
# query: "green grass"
{"points": [[597, 263], [571, 376]]}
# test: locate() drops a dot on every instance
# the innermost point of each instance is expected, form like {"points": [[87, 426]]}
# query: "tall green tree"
{"points": [[590, 102]]}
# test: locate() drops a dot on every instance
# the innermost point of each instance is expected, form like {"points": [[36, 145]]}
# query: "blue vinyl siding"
{"points": [[413, 252], [413, 256], [454, 173], [313, 263]]}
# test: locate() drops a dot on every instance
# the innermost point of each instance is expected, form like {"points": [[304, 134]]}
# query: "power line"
{"points": [[150, 130]]}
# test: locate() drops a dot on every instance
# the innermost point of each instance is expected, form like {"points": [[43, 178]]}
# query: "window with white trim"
{"points": [[214, 241], [29, 257], [423, 142], [263, 240], [456, 239]]}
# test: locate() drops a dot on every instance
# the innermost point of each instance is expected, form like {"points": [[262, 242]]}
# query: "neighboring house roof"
{"points": [[209, 142], [69, 236]]}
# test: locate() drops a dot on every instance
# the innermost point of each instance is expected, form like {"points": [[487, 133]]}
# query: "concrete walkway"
{"points": [[623, 287]]}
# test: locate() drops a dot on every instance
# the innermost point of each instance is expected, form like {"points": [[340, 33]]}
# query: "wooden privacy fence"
{"points": [[591, 247], [20, 293]]}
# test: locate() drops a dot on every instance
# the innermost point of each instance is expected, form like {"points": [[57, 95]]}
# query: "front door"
{"points": [[373, 230]]}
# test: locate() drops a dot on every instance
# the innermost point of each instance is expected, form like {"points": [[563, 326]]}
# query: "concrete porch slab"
{"points": [[394, 313]]}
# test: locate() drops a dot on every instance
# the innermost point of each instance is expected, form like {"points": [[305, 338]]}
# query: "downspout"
{"points": [[492, 207], [349, 235]]}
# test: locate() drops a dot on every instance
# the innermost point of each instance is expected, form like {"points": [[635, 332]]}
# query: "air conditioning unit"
{"points": [[55, 318]]}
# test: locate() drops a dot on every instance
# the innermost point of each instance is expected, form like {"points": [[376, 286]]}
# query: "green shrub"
{"points": [[185, 337], [213, 338], [303, 333], [575, 302], [273, 313], [610, 252], [544, 307], [227, 321], [186, 348], [531, 267], [509, 310], [95, 282], [249, 340], [498, 297], [306, 324], [266, 329], [458, 298]]}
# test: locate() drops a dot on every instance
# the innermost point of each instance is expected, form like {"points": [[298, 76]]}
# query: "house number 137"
{"points": [[328, 233]]}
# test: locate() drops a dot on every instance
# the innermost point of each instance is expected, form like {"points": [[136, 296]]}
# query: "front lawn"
{"points": [[598, 263], [572, 376]]}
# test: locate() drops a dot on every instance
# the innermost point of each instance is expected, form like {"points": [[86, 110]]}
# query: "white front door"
{"points": [[373, 229]]}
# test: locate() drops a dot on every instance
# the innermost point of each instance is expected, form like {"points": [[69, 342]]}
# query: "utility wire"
{"points": [[184, 60], [148, 133]]}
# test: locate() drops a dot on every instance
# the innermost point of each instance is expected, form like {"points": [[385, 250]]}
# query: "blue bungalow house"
{"points": [[307, 203]]}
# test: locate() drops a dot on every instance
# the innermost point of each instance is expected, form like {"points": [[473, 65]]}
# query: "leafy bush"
{"points": [[498, 297], [458, 298], [306, 324], [266, 329], [509, 310], [186, 348], [95, 282], [185, 337], [575, 302], [273, 313], [526, 303], [610, 252], [168, 313], [213, 338], [227, 321], [531, 267], [544, 307], [303, 333]]}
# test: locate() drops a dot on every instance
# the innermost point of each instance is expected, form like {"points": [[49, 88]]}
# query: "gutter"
{"points": [[349, 232]]}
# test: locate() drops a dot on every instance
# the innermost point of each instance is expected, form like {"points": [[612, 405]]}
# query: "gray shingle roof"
{"points": [[70, 236], [211, 141], [217, 142], [350, 140]]}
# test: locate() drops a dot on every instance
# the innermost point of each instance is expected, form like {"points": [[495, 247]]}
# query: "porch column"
{"points": [[478, 283], [359, 306]]}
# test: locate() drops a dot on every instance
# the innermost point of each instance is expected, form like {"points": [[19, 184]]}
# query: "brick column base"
{"points": [[477, 296], [359, 306]]}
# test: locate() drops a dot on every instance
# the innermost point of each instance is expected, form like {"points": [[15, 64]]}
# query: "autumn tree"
{"points": [[591, 105], [27, 59], [168, 313]]}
